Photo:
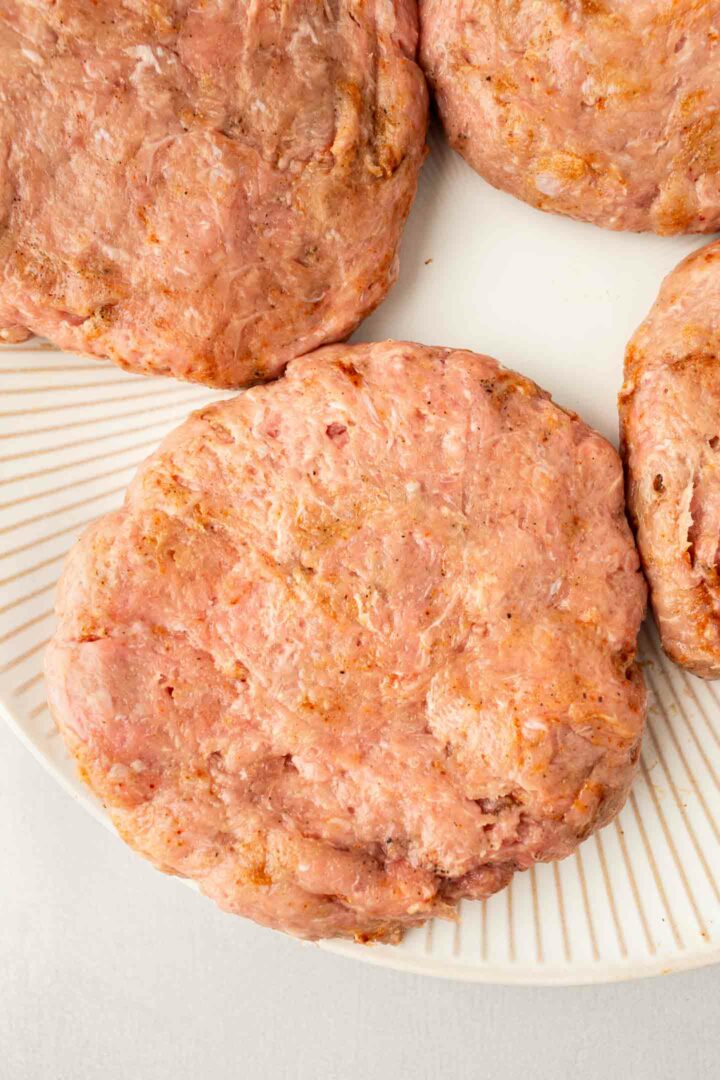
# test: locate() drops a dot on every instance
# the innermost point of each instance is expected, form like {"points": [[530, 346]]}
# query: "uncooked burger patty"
{"points": [[359, 643], [203, 190], [606, 110], [670, 417]]}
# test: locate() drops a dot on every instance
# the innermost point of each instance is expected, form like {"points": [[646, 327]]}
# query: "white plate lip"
{"points": [[540, 975], [394, 959]]}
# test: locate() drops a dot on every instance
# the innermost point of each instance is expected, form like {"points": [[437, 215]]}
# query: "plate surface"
{"points": [[553, 298]]}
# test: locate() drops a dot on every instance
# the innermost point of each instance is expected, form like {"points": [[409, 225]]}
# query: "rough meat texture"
{"points": [[670, 419], [360, 643], [203, 190], [606, 110]]}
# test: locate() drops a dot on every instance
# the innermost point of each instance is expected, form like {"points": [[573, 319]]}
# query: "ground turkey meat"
{"points": [[670, 415], [360, 643], [606, 110], [203, 190]]}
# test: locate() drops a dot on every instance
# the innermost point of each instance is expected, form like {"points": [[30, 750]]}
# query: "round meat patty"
{"points": [[670, 422], [605, 110], [360, 643], [204, 190]]}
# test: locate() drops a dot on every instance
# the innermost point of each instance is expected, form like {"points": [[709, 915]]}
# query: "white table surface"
{"points": [[109, 970]]}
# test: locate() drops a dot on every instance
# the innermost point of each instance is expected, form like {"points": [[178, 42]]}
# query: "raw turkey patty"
{"points": [[670, 415], [359, 643], [606, 110], [203, 190]]}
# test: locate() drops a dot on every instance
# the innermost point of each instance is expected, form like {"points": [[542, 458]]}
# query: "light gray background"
{"points": [[109, 970]]}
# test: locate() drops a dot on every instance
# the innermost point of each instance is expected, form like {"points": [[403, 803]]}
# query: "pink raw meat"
{"points": [[606, 110], [670, 417], [360, 643], [204, 190]]}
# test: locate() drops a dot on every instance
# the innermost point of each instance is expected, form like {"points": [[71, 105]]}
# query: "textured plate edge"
{"points": [[399, 961], [580, 975]]}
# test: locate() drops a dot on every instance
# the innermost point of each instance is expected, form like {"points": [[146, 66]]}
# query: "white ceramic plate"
{"points": [[555, 299]]}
